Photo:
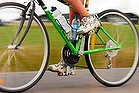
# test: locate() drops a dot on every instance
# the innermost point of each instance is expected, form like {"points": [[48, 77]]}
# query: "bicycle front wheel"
{"points": [[23, 57], [113, 67]]}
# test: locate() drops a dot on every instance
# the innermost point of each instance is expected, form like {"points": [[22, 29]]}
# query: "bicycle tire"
{"points": [[22, 68], [124, 32]]}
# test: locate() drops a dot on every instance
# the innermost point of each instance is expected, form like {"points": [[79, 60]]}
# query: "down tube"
{"points": [[63, 35]]}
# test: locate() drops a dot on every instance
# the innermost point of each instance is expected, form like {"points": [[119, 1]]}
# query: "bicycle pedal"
{"points": [[65, 74], [60, 74]]}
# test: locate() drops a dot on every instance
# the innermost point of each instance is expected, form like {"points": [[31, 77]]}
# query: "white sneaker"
{"points": [[88, 24], [57, 67], [62, 68]]}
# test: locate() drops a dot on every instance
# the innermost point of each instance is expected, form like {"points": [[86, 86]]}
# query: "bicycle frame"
{"points": [[75, 50]]}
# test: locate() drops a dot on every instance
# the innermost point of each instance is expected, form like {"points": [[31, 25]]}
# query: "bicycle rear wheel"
{"points": [[114, 67], [21, 64]]}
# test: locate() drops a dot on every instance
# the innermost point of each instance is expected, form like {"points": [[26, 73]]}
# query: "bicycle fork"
{"points": [[28, 12]]}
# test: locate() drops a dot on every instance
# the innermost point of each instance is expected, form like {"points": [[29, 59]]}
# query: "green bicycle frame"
{"points": [[118, 46], [61, 32], [67, 41]]}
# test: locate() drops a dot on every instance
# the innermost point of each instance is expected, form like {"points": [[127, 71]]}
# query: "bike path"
{"points": [[83, 82]]}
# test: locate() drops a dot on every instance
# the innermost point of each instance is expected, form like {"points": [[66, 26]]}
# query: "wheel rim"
{"points": [[21, 68], [123, 33]]}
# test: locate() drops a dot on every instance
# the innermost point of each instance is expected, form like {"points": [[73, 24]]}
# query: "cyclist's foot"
{"points": [[62, 69], [88, 23]]}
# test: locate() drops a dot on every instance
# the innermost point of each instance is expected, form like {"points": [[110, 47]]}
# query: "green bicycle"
{"points": [[110, 49]]}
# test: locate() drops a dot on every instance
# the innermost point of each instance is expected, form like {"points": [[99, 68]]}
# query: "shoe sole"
{"points": [[50, 69]]}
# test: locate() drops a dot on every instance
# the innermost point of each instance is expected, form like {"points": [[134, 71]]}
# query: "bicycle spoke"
{"points": [[24, 48], [120, 63]]}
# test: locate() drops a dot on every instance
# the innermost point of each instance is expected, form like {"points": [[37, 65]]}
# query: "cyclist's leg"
{"points": [[61, 66], [78, 6], [88, 22], [73, 12]]}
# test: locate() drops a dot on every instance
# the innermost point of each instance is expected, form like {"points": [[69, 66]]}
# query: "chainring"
{"points": [[68, 58]]}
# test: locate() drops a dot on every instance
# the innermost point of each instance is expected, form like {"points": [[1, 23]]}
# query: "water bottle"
{"points": [[75, 26], [61, 19]]}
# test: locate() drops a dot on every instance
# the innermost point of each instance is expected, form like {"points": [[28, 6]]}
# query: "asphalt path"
{"points": [[83, 82]]}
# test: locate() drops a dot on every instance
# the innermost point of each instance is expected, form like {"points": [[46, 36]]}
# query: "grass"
{"points": [[54, 38], [56, 43]]}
